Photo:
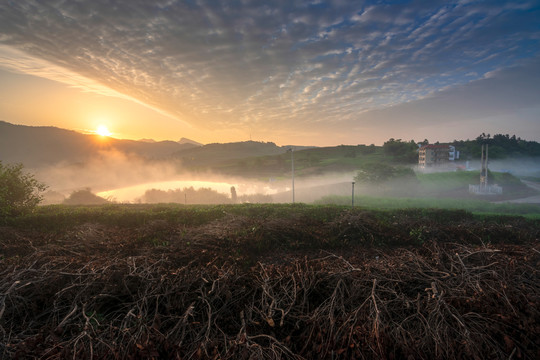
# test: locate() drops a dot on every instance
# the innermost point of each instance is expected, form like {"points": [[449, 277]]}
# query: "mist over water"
{"points": [[108, 170], [135, 193], [125, 178], [307, 189]]}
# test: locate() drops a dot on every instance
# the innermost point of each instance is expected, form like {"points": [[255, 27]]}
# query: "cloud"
{"points": [[267, 65], [504, 101], [18, 61]]}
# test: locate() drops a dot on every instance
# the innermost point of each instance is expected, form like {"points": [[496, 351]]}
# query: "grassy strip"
{"points": [[56, 217], [474, 206], [263, 227], [457, 179]]}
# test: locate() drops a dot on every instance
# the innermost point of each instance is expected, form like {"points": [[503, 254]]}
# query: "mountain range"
{"points": [[42, 146]]}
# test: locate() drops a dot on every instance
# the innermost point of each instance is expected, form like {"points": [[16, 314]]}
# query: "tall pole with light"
{"points": [[352, 199], [292, 172]]}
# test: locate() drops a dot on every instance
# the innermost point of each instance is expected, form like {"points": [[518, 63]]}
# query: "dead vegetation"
{"points": [[242, 288]]}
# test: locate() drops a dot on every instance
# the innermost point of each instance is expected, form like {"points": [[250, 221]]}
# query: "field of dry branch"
{"points": [[355, 285]]}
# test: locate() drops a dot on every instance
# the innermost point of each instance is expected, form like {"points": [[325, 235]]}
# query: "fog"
{"points": [[307, 189], [135, 193], [125, 178], [517, 167], [107, 170]]}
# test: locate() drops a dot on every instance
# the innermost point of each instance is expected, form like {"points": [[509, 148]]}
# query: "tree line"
{"points": [[500, 147]]}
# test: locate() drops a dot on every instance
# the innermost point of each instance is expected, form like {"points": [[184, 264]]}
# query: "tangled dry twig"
{"points": [[74, 300]]}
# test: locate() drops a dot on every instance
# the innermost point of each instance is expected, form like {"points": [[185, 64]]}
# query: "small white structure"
{"points": [[453, 154], [485, 190]]}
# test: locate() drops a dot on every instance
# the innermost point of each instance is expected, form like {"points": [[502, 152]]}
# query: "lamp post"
{"points": [[352, 199], [292, 171]]}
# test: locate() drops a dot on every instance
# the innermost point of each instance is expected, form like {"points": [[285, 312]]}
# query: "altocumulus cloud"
{"points": [[276, 65]]}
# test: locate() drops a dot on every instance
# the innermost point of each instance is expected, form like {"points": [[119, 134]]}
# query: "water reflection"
{"points": [[133, 193]]}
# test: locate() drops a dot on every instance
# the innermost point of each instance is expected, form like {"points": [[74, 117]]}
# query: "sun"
{"points": [[103, 131]]}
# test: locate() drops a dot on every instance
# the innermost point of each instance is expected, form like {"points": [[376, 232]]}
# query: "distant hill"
{"points": [[44, 146], [39, 146], [189, 141], [308, 161], [214, 155]]}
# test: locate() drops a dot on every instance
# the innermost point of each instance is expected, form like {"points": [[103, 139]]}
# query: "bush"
{"points": [[19, 192], [85, 197], [378, 173]]}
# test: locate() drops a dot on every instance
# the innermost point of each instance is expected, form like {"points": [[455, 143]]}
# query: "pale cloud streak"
{"points": [[17, 61], [286, 65]]}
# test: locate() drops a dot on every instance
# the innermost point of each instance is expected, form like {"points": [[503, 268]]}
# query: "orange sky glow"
{"points": [[318, 73]]}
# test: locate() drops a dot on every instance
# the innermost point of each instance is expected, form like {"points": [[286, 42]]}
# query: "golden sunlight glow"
{"points": [[103, 131]]}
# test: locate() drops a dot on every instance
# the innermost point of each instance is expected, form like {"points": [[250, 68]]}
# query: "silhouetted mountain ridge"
{"points": [[189, 141], [42, 146]]}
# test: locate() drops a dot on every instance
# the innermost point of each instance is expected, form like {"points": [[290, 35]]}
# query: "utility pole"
{"points": [[484, 171], [352, 199], [292, 171]]}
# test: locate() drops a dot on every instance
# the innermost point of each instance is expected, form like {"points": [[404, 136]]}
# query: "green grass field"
{"points": [[446, 190], [127, 215], [471, 205]]}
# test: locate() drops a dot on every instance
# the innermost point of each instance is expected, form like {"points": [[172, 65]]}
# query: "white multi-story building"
{"points": [[433, 155]]}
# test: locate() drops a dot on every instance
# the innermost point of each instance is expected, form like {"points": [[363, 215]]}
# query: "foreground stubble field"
{"points": [[268, 281]]}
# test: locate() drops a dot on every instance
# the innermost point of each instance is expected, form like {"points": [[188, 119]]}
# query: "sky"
{"points": [[292, 72]]}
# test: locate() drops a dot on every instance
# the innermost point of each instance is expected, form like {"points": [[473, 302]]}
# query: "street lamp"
{"points": [[352, 199], [292, 171]]}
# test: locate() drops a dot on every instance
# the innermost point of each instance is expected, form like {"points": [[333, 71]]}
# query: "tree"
{"points": [[85, 197], [380, 173], [500, 146], [19, 191], [401, 150], [374, 173]]}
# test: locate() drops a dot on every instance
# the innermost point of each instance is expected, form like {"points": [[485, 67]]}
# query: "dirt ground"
{"points": [[293, 288]]}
